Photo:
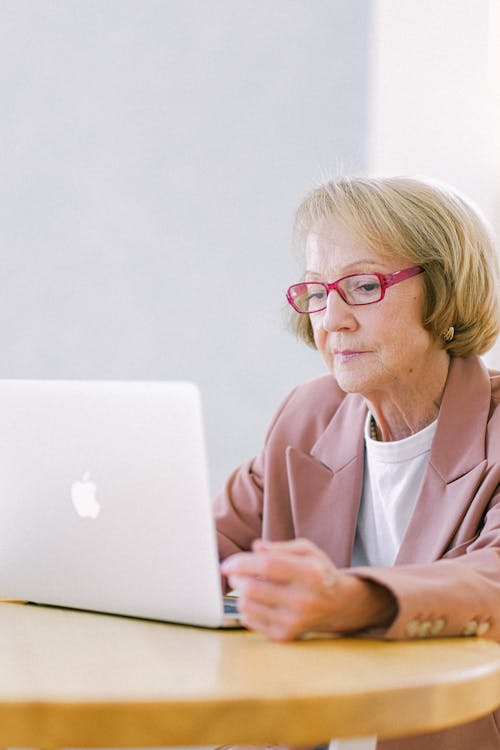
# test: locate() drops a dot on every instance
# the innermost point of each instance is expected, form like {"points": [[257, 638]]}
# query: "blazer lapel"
{"points": [[325, 485], [456, 463]]}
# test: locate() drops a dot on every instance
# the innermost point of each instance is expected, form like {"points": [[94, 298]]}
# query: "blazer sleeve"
{"points": [[238, 509], [456, 595]]}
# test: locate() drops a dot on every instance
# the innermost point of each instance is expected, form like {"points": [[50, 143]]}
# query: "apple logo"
{"points": [[84, 497]]}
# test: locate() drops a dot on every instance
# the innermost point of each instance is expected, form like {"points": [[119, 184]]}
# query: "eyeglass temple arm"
{"points": [[397, 276]]}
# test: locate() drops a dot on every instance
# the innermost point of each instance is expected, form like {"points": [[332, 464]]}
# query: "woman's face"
{"points": [[375, 348]]}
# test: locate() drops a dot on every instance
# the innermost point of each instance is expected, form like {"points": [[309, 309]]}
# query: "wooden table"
{"points": [[74, 679]]}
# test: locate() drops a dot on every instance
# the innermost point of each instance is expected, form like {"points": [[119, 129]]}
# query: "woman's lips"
{"points": [[346, 355]]}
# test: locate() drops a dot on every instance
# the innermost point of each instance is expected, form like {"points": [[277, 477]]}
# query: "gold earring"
{"points": [[448, 334]]}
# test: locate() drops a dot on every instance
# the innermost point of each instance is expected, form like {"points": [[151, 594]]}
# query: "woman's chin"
{"points": [[351, 379], [364, 386]]}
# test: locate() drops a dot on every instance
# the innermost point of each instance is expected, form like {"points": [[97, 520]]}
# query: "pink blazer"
{"points": [[307, 482]]}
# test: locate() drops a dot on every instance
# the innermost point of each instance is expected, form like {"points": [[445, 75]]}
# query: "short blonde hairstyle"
{"points": [[424, 224]]}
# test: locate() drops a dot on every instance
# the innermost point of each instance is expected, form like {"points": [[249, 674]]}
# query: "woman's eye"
{"points": [[368, 287], [316, 296]]}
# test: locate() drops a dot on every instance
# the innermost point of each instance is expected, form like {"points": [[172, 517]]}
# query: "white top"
{"points": [[392, 477]]}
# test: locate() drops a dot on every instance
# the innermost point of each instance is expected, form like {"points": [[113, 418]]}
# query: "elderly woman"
{"points": [[374, 505]]}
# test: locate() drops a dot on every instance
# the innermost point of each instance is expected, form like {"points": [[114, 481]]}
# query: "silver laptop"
{"points": [[104, 500]]}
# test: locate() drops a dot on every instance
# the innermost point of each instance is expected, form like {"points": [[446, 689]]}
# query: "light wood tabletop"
{"points": [[76, 679]]}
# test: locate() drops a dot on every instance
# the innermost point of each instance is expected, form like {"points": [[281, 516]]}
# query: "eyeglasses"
{"points": [[356, 289]]}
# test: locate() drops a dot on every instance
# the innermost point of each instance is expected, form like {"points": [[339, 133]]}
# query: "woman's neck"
{"points": [[407, 410]]}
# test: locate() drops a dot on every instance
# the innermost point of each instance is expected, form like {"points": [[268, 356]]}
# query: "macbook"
{"points": [[104, 500]]}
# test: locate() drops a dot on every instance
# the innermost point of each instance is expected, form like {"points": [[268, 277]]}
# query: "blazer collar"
{"points": [[343, 439], [456, 463], [326, 485], [463, 416]]}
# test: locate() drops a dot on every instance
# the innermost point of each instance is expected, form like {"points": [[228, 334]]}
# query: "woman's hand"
{"points": [[287, 589]]}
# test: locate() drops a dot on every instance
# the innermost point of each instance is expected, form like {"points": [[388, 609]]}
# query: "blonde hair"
{"points": [[424, 224]]}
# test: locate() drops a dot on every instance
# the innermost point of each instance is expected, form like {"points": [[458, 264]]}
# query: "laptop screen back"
{"points": [[104, 499]]}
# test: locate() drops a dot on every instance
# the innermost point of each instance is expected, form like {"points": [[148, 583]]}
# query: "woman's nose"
{"points": [[338, 315]]}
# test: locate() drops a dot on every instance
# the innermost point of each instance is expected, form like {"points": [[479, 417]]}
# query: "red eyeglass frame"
{"points": [[386, 280]]}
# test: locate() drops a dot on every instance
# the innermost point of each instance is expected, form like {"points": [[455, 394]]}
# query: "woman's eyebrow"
{"points": [[357, 266]]}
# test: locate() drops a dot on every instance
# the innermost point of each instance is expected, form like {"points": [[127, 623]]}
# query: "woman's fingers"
{"points": [[295, 546], [285, 588], [281, 567], [277, 623]]}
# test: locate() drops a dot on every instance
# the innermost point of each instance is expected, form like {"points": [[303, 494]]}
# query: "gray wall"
{"points": [[152, 153]]}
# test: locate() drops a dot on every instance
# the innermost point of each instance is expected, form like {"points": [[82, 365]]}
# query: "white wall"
{"points": [[152, 153], [435, 77], [494, 118]]}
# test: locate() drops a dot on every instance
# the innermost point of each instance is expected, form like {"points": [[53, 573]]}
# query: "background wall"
{"points": [[434, 97], [152, 153]]}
